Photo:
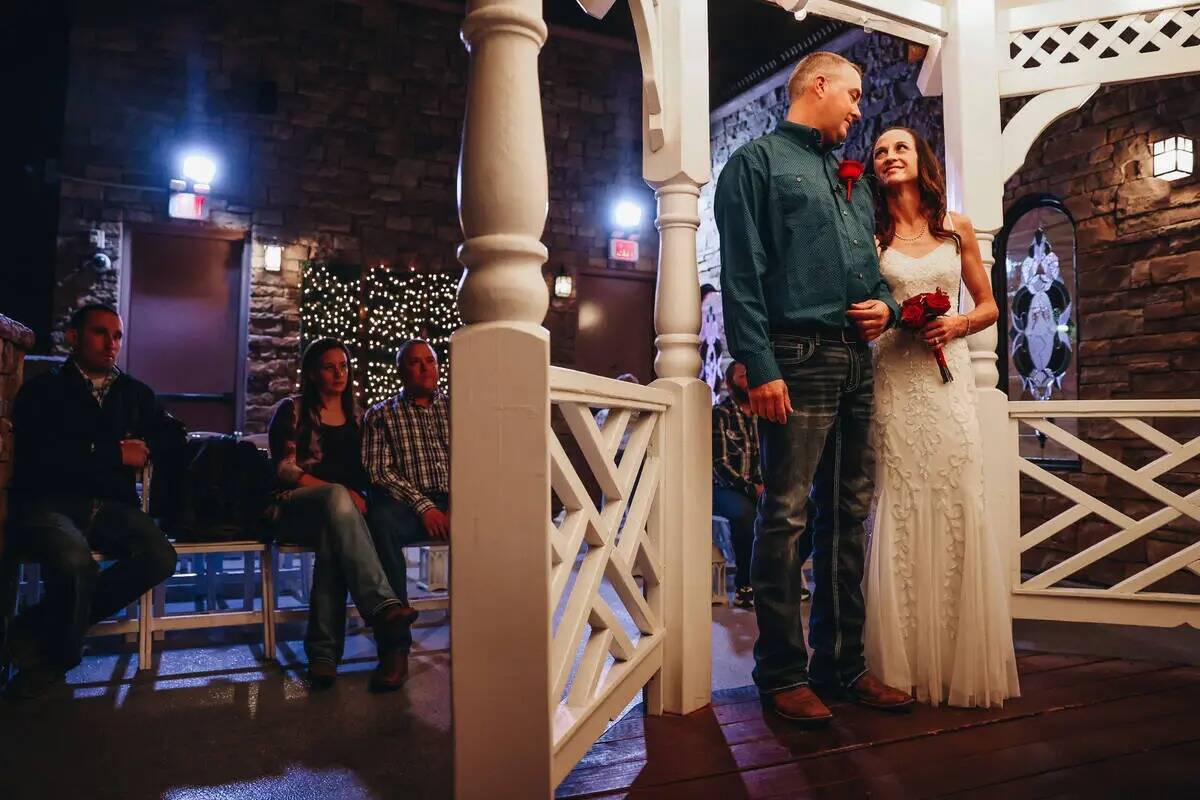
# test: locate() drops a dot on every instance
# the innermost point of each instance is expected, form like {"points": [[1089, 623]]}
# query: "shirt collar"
{"points": [[803, 135], [111, 376], [404, 398]]}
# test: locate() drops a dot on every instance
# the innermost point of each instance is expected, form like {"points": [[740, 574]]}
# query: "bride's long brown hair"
{"points": [[931, 187]]}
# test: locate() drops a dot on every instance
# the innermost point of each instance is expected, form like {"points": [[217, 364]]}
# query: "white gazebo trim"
{"points": [[1034, 117]]}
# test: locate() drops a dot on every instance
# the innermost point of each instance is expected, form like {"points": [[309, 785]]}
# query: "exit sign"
{"points": [[186, 205], [623, 250]]}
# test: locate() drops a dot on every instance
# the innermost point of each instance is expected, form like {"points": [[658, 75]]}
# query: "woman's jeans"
{"points": [[823, 449], [325, 517]]}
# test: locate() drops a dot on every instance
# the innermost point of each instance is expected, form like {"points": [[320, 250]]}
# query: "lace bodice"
{"points": [[910, 275]]}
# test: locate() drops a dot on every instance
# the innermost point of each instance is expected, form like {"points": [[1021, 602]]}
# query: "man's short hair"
{"points": [[402, 353], [821, 62], [80, 315], [727, 376]]}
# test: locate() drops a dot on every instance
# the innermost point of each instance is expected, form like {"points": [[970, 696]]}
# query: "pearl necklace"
{"points": [[920, 235]]}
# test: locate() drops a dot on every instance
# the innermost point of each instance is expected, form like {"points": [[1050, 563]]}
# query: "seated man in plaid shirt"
{"points": [[737, 474], [406, 453]]}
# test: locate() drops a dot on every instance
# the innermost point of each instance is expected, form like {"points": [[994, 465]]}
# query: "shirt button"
{"points": [[856, 241], [845, 213]]}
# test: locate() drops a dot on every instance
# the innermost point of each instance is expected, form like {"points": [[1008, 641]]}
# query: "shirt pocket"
{"points": [[804, 204]]}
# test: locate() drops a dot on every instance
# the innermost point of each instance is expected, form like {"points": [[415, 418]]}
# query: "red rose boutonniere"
{"points": [[919, 310], [850, 171]]}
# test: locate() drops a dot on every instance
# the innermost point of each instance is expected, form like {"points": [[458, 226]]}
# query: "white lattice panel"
{"points": [[1043, 590], [607, 642], [1103, 39]]}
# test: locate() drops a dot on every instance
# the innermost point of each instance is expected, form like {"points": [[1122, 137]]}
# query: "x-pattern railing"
{"points": [[1102, 39], [1132, 416], [622, 542]]}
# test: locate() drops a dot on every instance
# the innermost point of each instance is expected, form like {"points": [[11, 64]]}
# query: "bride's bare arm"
{"points": [[978, 283]]}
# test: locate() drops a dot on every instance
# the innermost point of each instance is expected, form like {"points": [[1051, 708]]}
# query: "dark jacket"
{"points": [[66, 445]]}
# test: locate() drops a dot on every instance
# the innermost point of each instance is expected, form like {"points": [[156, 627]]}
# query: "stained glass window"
{"points": [[1039, 315]]}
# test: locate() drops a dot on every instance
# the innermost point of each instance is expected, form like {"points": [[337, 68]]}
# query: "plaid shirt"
{"points": [[99, 390], [406, 449], [736, 463]]}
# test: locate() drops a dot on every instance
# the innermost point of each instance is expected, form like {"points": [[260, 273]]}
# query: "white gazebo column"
{"points": [[500, 419], [677, 164], [975, 182]]}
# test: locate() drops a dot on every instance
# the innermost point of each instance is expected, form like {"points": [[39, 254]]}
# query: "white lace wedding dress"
{"points": [[938, 621]]}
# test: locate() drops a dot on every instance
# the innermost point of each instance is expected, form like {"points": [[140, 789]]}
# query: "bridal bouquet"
{"points": [[918, 311]]}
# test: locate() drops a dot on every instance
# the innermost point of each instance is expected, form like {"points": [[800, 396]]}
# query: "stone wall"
{"points": [[890, 97], [1138, 262], [337, 125], [15, 341]]}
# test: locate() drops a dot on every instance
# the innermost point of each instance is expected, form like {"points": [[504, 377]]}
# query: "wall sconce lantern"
{"points": [[273, 258], [564, 284], [1173, 157]]}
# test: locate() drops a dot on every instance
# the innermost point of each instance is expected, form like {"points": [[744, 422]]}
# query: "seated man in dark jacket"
{"points": [[81, 432]]}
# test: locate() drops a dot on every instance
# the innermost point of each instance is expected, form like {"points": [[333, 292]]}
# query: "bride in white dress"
{"points": [[938, 621]]}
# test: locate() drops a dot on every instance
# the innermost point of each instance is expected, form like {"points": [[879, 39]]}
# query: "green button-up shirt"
{"points": [[794, 252]]}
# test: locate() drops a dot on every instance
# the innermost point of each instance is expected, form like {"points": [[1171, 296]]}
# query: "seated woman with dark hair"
{"points": [[314, 441]]}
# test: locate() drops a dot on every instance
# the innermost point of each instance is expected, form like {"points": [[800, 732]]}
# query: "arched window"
{"points": [[1034, 279]]}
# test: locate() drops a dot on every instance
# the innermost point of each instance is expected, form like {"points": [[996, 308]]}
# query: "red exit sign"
{"points": [[623, 250]]}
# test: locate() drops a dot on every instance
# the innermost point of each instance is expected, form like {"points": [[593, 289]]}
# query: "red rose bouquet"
{"points": [[918, 311]]}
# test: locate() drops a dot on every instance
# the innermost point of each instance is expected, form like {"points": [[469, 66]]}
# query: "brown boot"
{"points": [[391, 626], [871, 692], [392, 671], [799, 705], [321, 675]]}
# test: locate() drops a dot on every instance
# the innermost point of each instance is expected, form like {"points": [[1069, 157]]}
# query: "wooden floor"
{"points": [[1084, 727]]}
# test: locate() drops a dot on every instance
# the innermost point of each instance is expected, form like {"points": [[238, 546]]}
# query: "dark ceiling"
{"points": [[748, 39]]}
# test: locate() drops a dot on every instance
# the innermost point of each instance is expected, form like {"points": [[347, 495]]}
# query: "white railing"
{"points": [[1127, 601], [621, 539]]}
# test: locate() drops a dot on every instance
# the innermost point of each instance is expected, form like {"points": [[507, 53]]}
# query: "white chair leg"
{"points": [[266, 564], [146, 631]]}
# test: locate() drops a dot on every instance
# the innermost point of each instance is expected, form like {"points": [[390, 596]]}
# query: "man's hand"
{"points": [[771, 401], [871, 317], [437, 523], [134, 453]]}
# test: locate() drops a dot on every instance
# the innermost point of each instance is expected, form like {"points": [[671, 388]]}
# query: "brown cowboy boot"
{"points": [[871, 692], [392, 671], [799, 705]]}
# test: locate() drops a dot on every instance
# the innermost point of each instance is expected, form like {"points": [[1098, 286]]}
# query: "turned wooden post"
{"points": [[676, 164], [500, 417]]}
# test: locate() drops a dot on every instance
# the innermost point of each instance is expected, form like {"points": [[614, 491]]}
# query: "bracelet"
{"points": [[967, 317]]}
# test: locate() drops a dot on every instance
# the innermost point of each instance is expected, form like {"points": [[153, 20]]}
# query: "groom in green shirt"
{"points": [[802, 296]]}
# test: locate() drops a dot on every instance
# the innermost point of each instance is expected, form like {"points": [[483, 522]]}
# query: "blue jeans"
{"points": [[393, 526], [823, 450], [326, 518], [740, 509], [60, 535]]}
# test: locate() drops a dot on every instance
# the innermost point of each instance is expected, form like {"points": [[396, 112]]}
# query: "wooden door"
{"points": [[616, 324], [184, 323]]}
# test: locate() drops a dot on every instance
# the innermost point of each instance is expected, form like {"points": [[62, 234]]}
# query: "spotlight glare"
{"points": [[627, 215], [199, 168]]}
